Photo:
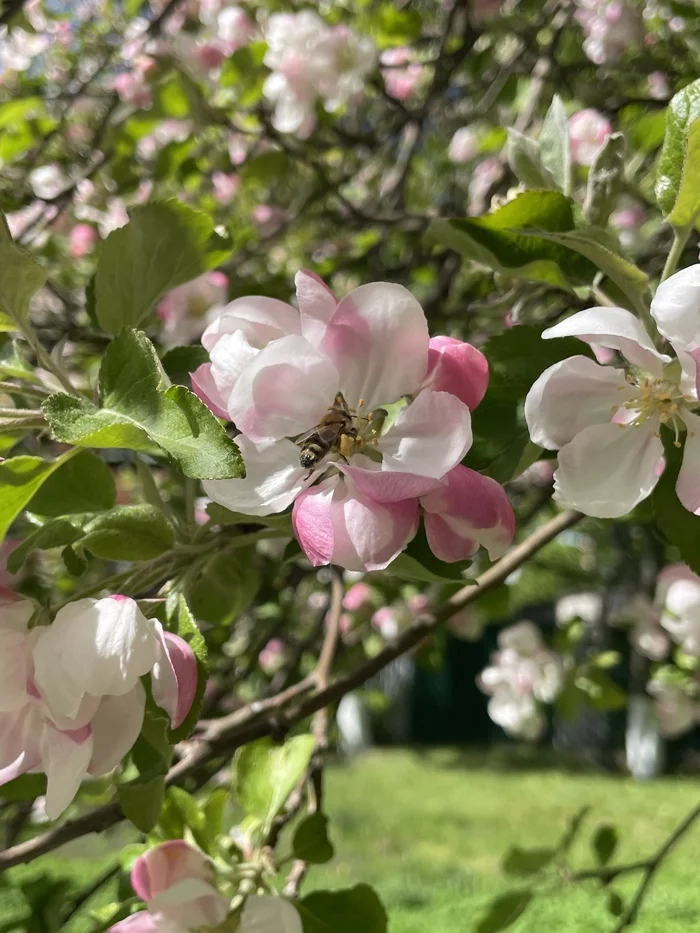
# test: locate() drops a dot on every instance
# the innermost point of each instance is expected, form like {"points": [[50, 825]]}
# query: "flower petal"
{"points": [[688, 482], [174, 678], [140, 922], [457, 367], [378, 340], [65, 760], [284, 391], [15, 652], [317, 305], [608, 468], [20, 742], [676, 308], [115, 727], [94, 646], [229, 358], [615, 328], [205, 388], [570, 396], [165, 865], [264, 913], [274, 477], [335, 523], [469, 511], [373, 480], [260, 319], [428, 437]]}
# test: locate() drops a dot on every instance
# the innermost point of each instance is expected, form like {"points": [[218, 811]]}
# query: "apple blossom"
{"points": [[187, 309], [610, 26], [280, 374], [680, 602], [83, 239], [401, 82], [47, 181], [226, 187], [18, 48], [273, 656], [463, 146], [588, 130], [357, 597], [132, 88], [523, 674], [676, 708], [605, 421]]}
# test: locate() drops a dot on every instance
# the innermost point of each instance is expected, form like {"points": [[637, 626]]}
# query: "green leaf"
{"points": [[418, 562], [311, 842], [267, 773], [517, 357], [20, 479], [345, 911], [555, 145], [25, 787], [56, 533], [188, 630], [135, 413], [615, 904], [604, 843], [20, 276], [687, 207], [84, 484], [525, 160], [498, 240], [141, 801], [527, 861], [682, 112], [179, 362], [678, 525], [606, 181], [130, 532], [632, 281], [225, 587], [164, 244], [504, 911]]}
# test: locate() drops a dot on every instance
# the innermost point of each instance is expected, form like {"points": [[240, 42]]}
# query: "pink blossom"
{"points": [[237, 149], [611, 27], [132, 88], [483, 11], [485, 177], [282, 374], [226, 187], [659, 88], [463, 145], [401, 82], [588, 129], [267, 217], [386, 622], [83, 238], [417, 604], [273, 656], [187, 309], [357, 597]]}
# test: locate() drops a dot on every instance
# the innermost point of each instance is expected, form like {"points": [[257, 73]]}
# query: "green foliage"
{"points": [[130, 532], [345, 911], [504, 911], [137, 411], [311, 842], [20, 479], [141, 798], [83, 484], [516, 358], [604, 843], [682, 112], [56, 533], [687, 206], [267, 773], [555, 145], [679, 526], [524, 862], [141, 801], [20, 276], [225, 586], [164, 244], [606, 181]]}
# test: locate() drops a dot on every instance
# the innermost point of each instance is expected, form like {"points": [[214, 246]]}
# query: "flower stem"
{"points": [[680, 238]]}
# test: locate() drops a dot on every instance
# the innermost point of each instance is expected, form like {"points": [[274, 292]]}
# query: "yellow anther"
{"points": [[676, 443]]}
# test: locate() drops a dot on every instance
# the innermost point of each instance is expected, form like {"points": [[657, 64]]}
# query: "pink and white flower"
{"points": [[463, 145], [610, 26], [676, 707], [83, 239], [186, 310], [523, 674], [71, 700], [48, 181], [679, 598], [402, 74], [605, 421], [278, 372], [588, 130]]}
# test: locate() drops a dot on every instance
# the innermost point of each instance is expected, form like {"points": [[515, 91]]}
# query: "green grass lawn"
{"points": [[429, 831]]}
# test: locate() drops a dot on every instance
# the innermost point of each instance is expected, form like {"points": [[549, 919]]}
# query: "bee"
{"points": [[335, 430]]}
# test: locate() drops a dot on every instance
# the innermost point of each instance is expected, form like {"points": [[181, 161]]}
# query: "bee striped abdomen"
{"points": [[311, 455]]}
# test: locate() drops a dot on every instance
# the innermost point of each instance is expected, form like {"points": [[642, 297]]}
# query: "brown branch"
{"points": [[226, 734]]}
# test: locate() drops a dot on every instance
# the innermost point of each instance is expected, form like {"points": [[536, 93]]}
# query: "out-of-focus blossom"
{"points": [[267, 218], [402, 73], [610, 26], [628, 221], [659, 88], [273, 656], [483, 11], [585, 606], [226, 187], [188, 309], [386, 621], [113, 218], [237, 149], [588, 130], [19, 48], [132, 87], [357, 597], [485, 176], [468, 624], [48, 181], [83, 238], [311, 60], [523, 674], [681, 610], [677, 709], [606, 421], [463, 145], [167, 131]]}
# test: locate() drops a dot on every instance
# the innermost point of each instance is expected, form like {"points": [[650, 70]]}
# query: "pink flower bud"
{"points": [[357, 597], [589, 129], [458, 368], [273, 655], [175, 678], [82, 240], [226, 187]]}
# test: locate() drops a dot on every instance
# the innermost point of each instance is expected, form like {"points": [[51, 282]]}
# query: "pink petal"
{"points": [[260, 319], [471, 510], [205, 388], [284, 391], [459, 368], [335, 523], [676, 307], [141, 922], [164, 866], [317, 304], [175, 678], [382, 485], [688, 482], [229, 358], [378, 339]]}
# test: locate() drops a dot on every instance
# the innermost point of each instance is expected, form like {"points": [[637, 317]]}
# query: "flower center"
{"points": [[654, 398]]}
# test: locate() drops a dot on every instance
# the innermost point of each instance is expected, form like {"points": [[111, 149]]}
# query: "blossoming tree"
{"points": [[306, 312]]}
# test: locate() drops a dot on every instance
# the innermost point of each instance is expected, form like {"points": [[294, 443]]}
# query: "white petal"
{"points": [[429, 437], [20, 742], [266, 914], [688, 482], [15, 653], [65, 761], [608, 468], [229, 358], [378, 339], [115, 727], [260, 320], [570, 396], [676, 307], [274, 478], [615, 328], [98, 647], [317, 305]]}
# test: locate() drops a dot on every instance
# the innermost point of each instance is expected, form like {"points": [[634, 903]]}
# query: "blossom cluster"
{"points": [[350, 412], [610, 26], [71, 700], [524, 674]]}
